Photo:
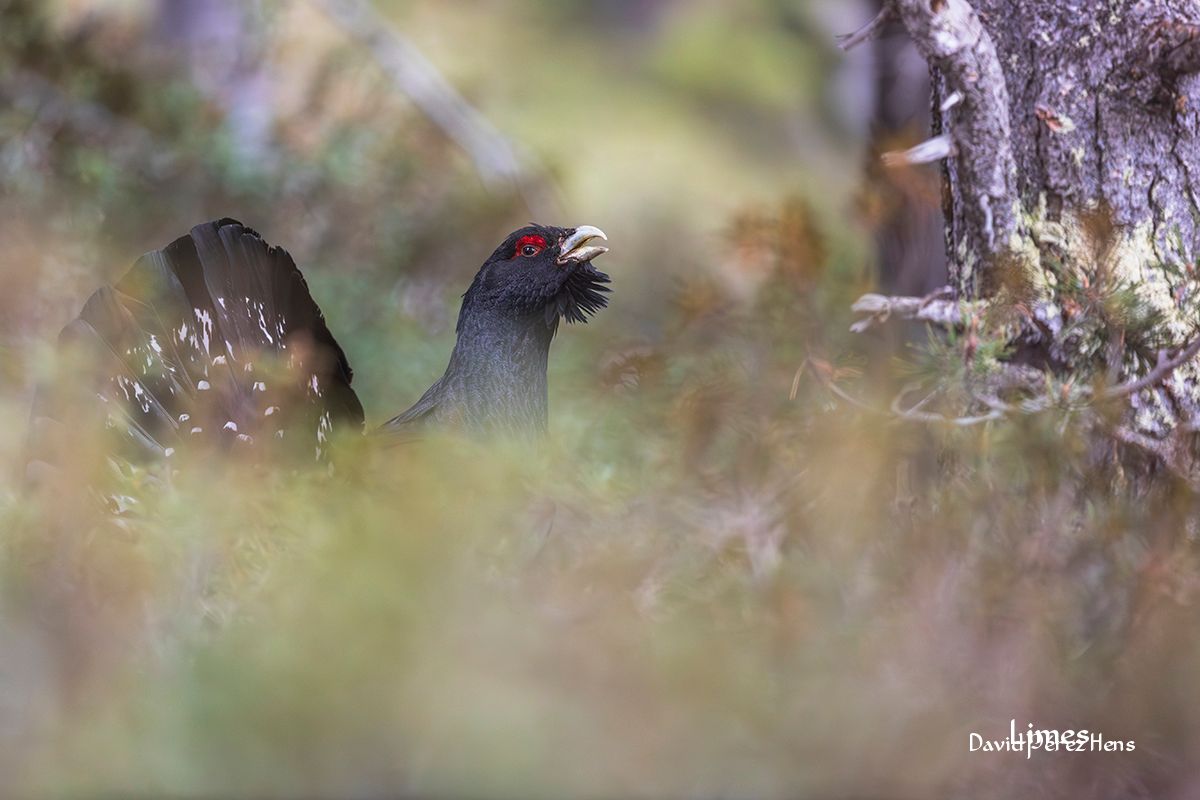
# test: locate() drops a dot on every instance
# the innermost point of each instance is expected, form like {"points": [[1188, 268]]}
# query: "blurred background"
{"points": [[715, 578]]}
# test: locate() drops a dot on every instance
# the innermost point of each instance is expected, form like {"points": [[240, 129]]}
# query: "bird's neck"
{"points": [[496, 379]]}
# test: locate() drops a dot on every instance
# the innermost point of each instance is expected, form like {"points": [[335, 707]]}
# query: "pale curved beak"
{"points": [[576, 248]]}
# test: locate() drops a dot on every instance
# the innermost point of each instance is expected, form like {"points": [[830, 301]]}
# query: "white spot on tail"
{"points": [[324, 426], [262, 321], [139, 395], [206, 327]]}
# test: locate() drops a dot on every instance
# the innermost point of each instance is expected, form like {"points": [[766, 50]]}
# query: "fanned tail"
{"points": [[214, 339]]}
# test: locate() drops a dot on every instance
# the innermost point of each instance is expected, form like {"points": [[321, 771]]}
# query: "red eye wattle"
{"points": [[530, 246]]}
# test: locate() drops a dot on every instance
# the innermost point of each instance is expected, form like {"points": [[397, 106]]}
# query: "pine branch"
{"points": [[866, 33]]}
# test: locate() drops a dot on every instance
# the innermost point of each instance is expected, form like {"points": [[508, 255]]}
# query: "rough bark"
{"points": [[1060, 111], [1102, 110]]}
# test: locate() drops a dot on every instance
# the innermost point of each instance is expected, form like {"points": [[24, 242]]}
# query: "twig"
{"points": [[1162, 449], [871, 30], [912, 414], [927, 152], [837, 390], [1162, 370], [934, 308], [1155, 446], [497, 160], [915, 414]]}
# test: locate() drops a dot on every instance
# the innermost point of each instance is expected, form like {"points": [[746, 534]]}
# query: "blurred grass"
{"points": [[713, 579]]}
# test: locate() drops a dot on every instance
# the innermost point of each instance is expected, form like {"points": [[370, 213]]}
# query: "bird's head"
{"points": [[543, 270]]}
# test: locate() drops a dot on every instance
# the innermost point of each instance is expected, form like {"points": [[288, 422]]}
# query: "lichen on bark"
{"points": [[1064, 112]]}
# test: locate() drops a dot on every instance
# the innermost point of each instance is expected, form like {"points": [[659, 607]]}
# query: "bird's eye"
{"points": [[530, 246]]}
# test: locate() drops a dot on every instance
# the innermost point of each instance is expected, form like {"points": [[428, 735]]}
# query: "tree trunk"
{"points": [[1099, 111], [1059, 113], [909, 237]]}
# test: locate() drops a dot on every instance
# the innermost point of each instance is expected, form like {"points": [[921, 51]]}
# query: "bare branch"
{"points": [[1039, 323], [1162, 370], [866, 33], [927, 152], [829, 384], [1165, 450], [950, 102], [911, 414], [915, 414], [935, 308], [1154, 446], [497, 160], [953, 314]]}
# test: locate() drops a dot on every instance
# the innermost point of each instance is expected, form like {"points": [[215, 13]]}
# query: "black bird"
{"points": [[216, 341]]}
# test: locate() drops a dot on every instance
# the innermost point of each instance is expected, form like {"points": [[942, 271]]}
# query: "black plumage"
{"points": [[216, 341], [496, 378]]}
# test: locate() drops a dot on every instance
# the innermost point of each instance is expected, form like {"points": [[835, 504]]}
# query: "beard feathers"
{"points": [[581, 296]]}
